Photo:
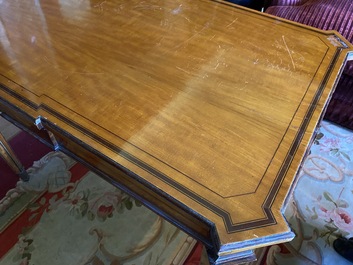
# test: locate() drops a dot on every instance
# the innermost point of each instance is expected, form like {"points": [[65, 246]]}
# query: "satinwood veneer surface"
{"points": [[202, 109]]}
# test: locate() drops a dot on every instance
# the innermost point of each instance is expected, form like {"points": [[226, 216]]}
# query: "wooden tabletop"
{"points": [[201, 109]]}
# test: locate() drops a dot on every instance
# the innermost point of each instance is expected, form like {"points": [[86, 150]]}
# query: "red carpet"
{"points": [[27, 149], [31, 215]]}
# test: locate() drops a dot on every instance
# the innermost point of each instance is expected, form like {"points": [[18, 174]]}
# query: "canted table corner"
{"points": [[203, 110]]}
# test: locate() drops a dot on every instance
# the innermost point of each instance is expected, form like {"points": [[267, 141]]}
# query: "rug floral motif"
{"points": [[321, 206], [59, 217]]}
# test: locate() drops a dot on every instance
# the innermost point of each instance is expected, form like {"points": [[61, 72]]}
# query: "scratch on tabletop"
{"points": [[181, 69], [100, 5], [212, 37], [187, 19], [193, 36], [231, 23], [244, 86], [279, 58], [290, 54]]}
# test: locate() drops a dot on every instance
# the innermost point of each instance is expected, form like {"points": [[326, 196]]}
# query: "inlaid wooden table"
{"points": [[201, 109]]}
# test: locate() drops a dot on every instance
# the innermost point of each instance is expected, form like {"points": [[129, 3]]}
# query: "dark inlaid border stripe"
{"points": [[231, 228]]}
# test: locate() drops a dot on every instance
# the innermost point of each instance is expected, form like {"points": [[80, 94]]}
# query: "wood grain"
{"points": [[202, 109]]}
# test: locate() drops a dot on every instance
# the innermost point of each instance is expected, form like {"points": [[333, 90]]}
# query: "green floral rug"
{"points": [[321, 206], [68, 215]]}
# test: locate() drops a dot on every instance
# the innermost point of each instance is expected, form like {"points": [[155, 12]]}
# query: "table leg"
{"points": [[10, 158]]}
